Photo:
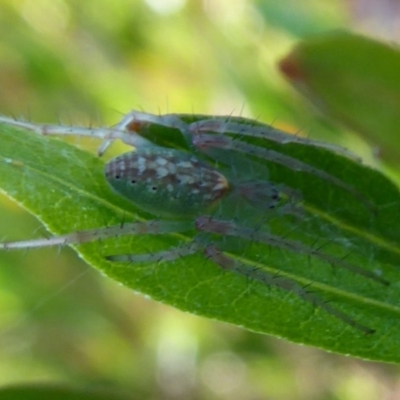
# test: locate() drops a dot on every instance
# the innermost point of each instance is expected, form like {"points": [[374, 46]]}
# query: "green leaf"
{"points": [[66, 189], [59, 392], [356, 81]]}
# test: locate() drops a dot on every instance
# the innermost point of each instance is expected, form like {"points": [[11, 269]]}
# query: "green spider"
{"points": [[212, 180]]}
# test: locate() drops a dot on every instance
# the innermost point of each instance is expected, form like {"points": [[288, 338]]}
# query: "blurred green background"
{"points": [[88, 63]]}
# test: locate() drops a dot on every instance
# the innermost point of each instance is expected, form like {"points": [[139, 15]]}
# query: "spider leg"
{"points": [[134, 121], [106, 134], [264, 131], [154, 227], [208, 224], [160, 256], [206, 141], [232, 265]]}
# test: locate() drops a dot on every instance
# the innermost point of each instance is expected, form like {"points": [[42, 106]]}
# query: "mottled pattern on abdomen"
{"points": [[166, 182]]}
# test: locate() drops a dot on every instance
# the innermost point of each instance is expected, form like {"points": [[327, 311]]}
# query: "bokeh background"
{"points": [[88, 62]]}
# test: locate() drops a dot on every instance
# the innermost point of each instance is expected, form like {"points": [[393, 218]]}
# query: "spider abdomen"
{"points": [[166, 182]]}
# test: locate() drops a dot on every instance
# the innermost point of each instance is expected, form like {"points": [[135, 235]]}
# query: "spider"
{"points": [[208, 177]]}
